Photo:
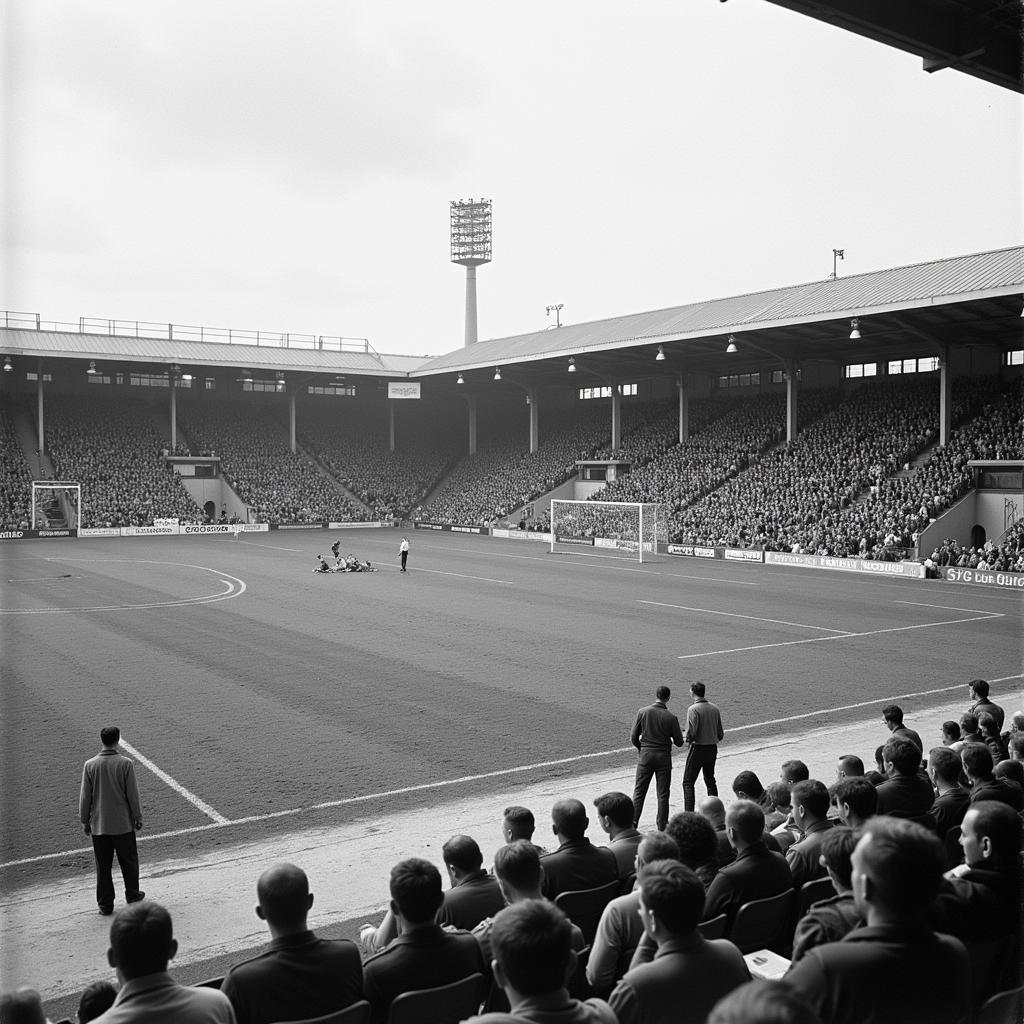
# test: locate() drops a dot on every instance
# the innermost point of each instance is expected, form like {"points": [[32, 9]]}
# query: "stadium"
{"points": [[808, 497]]}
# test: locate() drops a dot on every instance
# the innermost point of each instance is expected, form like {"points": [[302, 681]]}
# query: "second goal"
{"points": [[632, 526]]}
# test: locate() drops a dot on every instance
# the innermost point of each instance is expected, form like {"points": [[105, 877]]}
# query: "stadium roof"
{"points": [[974, 299], [978, 37]]}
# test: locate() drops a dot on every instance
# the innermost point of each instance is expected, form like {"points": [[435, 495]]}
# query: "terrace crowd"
{"points": [[888, 893], [15, 478]]}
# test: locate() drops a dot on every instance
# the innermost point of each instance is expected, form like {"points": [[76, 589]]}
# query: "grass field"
{"points": [[262, 696]]}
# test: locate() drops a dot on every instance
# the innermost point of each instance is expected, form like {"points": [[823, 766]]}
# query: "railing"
{"points": [[179, 332]]}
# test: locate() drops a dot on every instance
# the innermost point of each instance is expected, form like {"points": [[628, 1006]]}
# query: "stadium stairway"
{"points": [[52, 938]]}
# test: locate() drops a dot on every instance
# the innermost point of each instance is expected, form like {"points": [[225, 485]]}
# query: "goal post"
{"points": [[631, 526], [56, 500]]}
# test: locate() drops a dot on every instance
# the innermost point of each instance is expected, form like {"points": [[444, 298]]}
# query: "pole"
{"points": [[471, 335]]}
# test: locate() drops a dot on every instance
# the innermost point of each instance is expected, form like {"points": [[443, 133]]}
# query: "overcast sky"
{"points": [[289, 166]]}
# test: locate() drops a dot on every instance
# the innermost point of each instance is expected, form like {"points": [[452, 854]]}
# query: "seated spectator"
{"points": [[763, 1002], [1011, 770], [713, 809], [969, 730], [877, 775], [990, 737], [96, 999], [850, 767], [1015, 747], [810, 815], [615, 816], [518, 872], [892, 715], [951, 798], [977, 762], [830, 920], [747, 786], [757, 872], [24, 1006], [474, 894], [895, 968], [620, 929], [299, 974], [979, 694], [142, 944], [689, 973], [778, 798], [856, 800], [519, 823], [907, 793], [698, 844], [576, 864], [424, 955], [950, 733], [533, 961], [794, 771]]}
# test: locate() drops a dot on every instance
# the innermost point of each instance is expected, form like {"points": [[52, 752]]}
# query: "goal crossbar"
{"points": [[632, 526]]}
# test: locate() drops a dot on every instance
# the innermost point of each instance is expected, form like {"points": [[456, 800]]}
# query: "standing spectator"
{"points": [[423, 955], [892, 715], [615, 816], [142, 944], [689, 973], [403, 551], [654, 732], [299, 974], [895, 968], [111, 812], [703, 733], [979, 694]]}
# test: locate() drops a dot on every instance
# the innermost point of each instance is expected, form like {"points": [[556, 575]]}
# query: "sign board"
{"points": [[403, 389]]}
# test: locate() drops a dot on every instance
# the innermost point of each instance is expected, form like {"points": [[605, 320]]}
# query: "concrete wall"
{"points": [[978, 508]]}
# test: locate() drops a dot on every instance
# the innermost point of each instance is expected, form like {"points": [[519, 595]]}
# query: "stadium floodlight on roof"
{"points": [[471, 248]]}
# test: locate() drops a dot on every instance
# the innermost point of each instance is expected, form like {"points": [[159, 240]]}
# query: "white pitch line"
{"points": [[272, 547], [848, 636], [465, 576], [948, 608], [293, 811], [178, 788], [755, 618]]}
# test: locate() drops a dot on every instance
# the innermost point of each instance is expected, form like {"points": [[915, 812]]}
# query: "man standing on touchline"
{"points": [[403, 550], [654, 732], [111, 812], [703, 733]]}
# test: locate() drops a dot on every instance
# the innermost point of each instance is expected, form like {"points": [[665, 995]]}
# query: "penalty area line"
{"points": [[327, 805], [178, 788]]}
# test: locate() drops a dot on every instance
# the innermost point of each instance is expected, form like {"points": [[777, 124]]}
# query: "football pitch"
{"points": [[258, 696]]}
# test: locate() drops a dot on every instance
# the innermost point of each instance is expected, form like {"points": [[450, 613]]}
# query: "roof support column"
{"points": [[945, 397], [291, 420], [684, 409], [616, 416], [471, 403], [39, 412], [791, 401], [391, 424], [173, 381], [531, 401]]}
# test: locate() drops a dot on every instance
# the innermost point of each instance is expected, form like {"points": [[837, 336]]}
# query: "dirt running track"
{"points": [[262, 690]]}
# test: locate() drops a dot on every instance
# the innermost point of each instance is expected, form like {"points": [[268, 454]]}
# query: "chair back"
{"points": [[447, 1004], [1002, 1008], [357, 1013], [811, 892], [765, 924], [714, 927], [584, 906]]}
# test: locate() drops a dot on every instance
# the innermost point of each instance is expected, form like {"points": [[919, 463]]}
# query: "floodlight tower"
{"points": [[471, 247]]}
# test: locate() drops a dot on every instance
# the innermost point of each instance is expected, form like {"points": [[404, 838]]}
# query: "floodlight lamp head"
{"points": [[459, 379], [572, 365], [732, 347], [660, 357], [8, 365], [855, 329], [92, 367], [497, 373]]}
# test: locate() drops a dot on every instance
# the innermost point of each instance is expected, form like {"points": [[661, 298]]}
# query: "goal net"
{"points": [[631, 526], [56, 503]]}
